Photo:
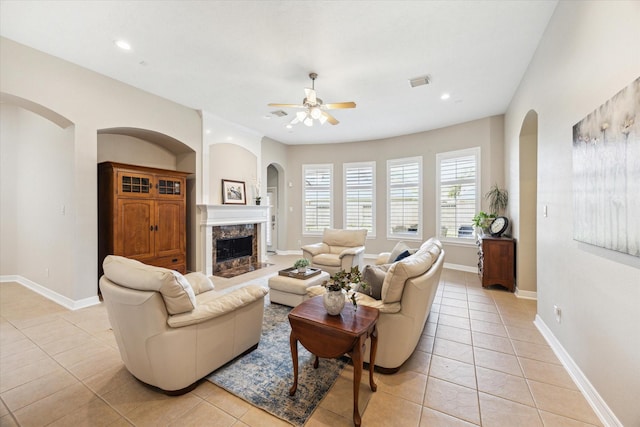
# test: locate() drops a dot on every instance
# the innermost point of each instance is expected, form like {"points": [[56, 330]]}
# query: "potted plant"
{"points": [[301, 265], [258, 199], [482, 220], [498, 199], [337, 285]]}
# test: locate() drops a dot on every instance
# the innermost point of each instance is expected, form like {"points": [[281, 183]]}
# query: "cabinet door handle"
{"points": [[156, 228], [151, 228]]}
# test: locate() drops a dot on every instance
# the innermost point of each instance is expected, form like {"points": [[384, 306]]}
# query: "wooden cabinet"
{"points": [[142, 215], [496, 261]]}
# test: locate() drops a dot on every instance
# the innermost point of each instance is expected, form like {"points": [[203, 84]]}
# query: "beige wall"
{"points": [[98, 102], [131, 150], [588, 53], [36, 210], [231, 162], [486, 133]]}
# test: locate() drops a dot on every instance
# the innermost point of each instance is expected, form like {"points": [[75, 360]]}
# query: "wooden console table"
{"points": [[332, 336]]}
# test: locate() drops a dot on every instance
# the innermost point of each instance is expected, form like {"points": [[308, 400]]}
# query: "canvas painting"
{"points": [[606, 174]]}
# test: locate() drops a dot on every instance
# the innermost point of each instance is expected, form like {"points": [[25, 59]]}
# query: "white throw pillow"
{"points": [[397, 250]]}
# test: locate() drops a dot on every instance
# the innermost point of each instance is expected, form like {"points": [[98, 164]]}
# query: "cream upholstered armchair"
{"points": [[172, 330], [339, 250]]}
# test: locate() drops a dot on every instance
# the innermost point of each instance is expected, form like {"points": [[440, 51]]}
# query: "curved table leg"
{"points": [[372, 358], [293, 342], [357, 357]]}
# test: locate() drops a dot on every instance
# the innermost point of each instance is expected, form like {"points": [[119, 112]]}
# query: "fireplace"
{"points": [[234, 246], [238, 247], [223, 222]]}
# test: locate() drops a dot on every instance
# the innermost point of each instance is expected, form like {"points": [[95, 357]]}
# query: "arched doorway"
{"points": [[526, 263], [275, 201]]}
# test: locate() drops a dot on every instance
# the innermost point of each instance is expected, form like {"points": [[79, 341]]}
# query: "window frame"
{"points": [[448, 155], [305, 167], [406, 235], [345, 167]]}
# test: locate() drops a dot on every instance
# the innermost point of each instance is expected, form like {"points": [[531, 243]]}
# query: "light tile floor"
{"points": [[480, 361]]}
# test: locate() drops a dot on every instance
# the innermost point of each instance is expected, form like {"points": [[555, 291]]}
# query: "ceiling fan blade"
{"points": [[286, 105], [330, 118], [311, 96], [336, 105]]}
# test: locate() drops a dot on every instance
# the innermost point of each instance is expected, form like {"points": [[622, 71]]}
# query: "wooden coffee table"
{"points": [[333, 336]]}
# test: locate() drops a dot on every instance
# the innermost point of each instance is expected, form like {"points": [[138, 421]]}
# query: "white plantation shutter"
{"points": [[359, 196], [458, 192], [317, 207], [404, 198]]}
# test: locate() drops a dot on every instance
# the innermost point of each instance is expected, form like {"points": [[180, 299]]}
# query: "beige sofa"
{"points": [[408, 289], [172, 330], [339, 250]]}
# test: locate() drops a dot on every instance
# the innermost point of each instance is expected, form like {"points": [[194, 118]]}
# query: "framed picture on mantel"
{"points": [[233, 192]]}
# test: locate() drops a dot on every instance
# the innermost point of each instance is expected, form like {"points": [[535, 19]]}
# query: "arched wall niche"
{"points": [[526, 262], [36, 108], [145, 147]]}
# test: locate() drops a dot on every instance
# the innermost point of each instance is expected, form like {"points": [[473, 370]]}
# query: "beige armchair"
{"points": [[172, 330], [339, 250]]}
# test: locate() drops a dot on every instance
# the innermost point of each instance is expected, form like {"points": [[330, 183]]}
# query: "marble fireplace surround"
{"points": [[226, 215]]}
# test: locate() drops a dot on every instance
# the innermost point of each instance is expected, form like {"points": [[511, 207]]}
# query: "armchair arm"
{"points": [[366, 300], [218, 306], [352, 251], [315, 249]]}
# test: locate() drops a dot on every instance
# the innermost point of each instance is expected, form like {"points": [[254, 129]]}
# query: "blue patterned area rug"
{"points": [[264, 376]]}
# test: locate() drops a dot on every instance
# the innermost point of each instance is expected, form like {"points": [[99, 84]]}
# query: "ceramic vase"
{"points": [[333, 302]]}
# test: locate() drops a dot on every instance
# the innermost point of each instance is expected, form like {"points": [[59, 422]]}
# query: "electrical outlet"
{"points": [[299, 242], [544, 211], [558, 312], [46, 272]]}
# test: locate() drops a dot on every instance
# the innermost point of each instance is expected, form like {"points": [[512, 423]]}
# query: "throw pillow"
{"points": [[199, 282], [397, 250], [373, 275], [403, 255]]}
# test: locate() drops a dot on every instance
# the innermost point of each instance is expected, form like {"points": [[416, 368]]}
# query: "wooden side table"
{"points": [[332, 336]]}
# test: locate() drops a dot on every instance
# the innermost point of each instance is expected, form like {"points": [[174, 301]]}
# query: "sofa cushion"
{"points": [[347, 238], [373, 275], [218, 305], [199, 282], [175, 289], [403, 270], [397, 250], [331, 260]]}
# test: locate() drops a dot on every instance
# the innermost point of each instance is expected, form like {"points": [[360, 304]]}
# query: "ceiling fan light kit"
{"points": [[313, 108]]}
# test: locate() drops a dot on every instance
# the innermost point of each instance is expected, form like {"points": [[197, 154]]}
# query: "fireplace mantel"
{"points": [[233, 214], [219, 215]]}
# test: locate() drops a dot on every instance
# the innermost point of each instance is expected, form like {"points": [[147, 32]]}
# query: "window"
{"points": [[317, 208], [359, 196], [458, 181], [404, 198]]}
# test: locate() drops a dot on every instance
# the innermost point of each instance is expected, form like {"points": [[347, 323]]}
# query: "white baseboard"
{"points": [[599, 406], [461, 267], [288, 252], [49, 294], [526, 294]]}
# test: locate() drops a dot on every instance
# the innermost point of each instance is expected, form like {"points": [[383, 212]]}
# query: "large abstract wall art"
{"points": [[606, 174]]}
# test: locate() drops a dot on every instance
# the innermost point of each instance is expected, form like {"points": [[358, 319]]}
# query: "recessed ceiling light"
{"points": [[123, 44], [419, 81], [445, 96]]}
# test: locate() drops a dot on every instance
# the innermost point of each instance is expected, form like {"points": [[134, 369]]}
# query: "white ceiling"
{"points": [[231, 58]]}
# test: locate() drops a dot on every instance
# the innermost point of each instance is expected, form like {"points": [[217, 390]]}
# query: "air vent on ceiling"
{"points": [[279, 113], [419, 81]]}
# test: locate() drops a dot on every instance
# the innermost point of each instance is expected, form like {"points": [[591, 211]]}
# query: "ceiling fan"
{"points": [[313, 108]]}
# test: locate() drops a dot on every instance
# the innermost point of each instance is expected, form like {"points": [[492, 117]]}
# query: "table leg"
{"points": [[357, 356], [372, 357], [316, 363], [293, 342]]}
